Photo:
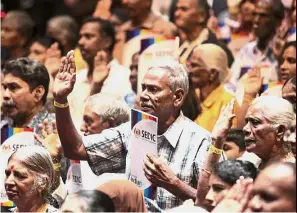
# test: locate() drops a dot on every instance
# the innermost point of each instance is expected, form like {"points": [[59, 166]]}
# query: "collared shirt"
{"points": [[35, 121], [183, 146], [153, 23], [116, 85], [187, 47], [211, 107], [250, 56]]}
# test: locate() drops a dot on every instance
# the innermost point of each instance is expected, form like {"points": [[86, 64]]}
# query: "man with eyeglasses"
{"points": [[268, 16]]}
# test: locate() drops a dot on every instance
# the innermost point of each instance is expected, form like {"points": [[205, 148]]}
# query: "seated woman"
{"points": [[267, 120], [29, 180], [288, 62]]}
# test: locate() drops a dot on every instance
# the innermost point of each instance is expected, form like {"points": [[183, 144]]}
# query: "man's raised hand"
{"points": [[65, 79]]}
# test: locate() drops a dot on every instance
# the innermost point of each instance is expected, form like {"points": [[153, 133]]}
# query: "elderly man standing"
{"points": [[26, 85], [181, 143], [208, 70]]}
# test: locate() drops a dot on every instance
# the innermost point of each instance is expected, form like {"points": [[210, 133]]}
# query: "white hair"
{"points": [[108, 107], [276, 110], [38, 160], [178, 73]]}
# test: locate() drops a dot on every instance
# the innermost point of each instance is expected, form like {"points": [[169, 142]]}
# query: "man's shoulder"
{"points": [[193, 128], [248, 47]]}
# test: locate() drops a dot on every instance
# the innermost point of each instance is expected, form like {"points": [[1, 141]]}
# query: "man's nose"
{"points": [[6, 95]]}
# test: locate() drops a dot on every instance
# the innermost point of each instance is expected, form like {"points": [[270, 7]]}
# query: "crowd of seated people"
{"points": [[225, 103]]}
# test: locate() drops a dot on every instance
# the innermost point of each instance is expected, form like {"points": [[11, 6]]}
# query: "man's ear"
{"points": [[110, 123], [179, 96], [213, 75], [38, 93]]}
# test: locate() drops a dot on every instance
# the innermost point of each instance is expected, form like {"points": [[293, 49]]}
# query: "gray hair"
{"points": [[108, 107], [276, 110], [38, 160], [177, 74]]}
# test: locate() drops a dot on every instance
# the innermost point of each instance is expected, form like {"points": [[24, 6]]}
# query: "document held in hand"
{"points": [[144, 129]]}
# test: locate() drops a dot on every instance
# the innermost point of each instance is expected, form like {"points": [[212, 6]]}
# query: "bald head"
{"points": [[214, 57]]}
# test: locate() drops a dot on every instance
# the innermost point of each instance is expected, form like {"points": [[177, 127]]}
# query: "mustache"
{"points": [[7, 104]]}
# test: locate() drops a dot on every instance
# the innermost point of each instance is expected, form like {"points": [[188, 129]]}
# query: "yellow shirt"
{"points": [[211, 107], [79, 61]]}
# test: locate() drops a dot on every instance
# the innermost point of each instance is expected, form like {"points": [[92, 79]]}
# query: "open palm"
{"points": [[65, 79]]}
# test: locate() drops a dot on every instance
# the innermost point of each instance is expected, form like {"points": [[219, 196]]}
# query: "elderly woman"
{"points": [[29, 180], [267, 120]]}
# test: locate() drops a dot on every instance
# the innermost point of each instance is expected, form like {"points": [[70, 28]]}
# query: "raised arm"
{"points": [[64, 82], [219, 135]]}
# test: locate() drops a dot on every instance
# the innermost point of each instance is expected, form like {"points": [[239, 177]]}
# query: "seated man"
{"points": [[98, 115], [141, 17], [181, 143], [16, 34], [268, 16], [26, 85], [234, 145], [104, 74], [191, 17], [208, 70]]}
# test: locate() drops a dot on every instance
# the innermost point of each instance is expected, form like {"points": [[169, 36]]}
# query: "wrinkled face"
{"points": [[186, 14], [10, 36], [247, 10], [92, 123], [19, 182], [288, 64], [217, 185], [273, 191], [264, 22], [90, 41], [18, 100], [231, 150], [289, 93], [156, 97], [37, 52], [134, 71], [136, 7], [260, 136], [198, 71], [74, 204]]}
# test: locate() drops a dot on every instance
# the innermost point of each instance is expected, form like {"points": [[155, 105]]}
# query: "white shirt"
{"points": [[116, 85]]}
